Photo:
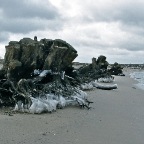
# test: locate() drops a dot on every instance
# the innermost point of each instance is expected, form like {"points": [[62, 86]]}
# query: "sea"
{"points": [[139, 76]]}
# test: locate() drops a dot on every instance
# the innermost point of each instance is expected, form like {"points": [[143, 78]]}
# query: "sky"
{"points": [[113, 28]]}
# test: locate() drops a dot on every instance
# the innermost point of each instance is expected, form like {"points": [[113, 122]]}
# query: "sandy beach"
{"points": [[116, 117]]}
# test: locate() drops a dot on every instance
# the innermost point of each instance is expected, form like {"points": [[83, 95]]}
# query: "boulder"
{"points": [[101, 62], [116, 69], [24, 56], [95, 66]]}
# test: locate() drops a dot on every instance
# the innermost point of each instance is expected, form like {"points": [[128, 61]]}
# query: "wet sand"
{"points": [[116, 117]]}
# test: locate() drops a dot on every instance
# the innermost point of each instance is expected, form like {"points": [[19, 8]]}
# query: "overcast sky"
{"points": [[114, 28]]}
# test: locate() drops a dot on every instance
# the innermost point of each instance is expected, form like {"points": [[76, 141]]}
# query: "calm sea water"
{"points": [[139, 76]]}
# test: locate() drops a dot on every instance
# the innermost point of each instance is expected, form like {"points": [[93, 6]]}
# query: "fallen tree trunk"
{"points": [[39, 95], [37, 76], [104, 87]]}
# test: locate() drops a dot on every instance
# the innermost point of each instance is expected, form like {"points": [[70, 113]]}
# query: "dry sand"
{"points": [[116, 117]]}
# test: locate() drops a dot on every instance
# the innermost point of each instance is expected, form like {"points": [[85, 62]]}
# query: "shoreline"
{"points": [[137, 84], [116, 117]]}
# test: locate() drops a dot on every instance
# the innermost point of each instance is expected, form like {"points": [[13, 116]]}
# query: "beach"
{"points": [[116, 117]]}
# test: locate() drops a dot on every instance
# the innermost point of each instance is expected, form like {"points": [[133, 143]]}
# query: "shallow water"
{"points": [[139, 76]]}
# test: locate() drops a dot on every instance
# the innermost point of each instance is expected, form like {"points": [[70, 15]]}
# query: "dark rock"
{"points": [[95, 70], [96, 65], [101, 62], [35, 38], [2, 74], [21, 58], [116, 69]]}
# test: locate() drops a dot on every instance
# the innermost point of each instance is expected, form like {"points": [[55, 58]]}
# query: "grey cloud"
{"points": [[27, 9], [26, 16], [132, 43], [91, 45], [132, 46], [128, 13], [25, 26], [136, 30], [131, 19], [3, 36]]}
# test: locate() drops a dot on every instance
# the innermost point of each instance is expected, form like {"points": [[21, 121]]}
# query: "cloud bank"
{"points": [[103, 27]]}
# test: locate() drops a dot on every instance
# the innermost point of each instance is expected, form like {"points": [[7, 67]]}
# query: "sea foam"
{"points": [[139, 76]]}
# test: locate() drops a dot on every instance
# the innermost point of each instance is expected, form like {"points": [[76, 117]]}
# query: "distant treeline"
{"points": [[123, 65], [134, 66]]}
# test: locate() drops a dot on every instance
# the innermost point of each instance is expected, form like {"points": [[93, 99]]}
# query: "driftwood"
{"points": [[116, 69], [104, 87], [31, 95], [37, 76], [109, 79]]}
